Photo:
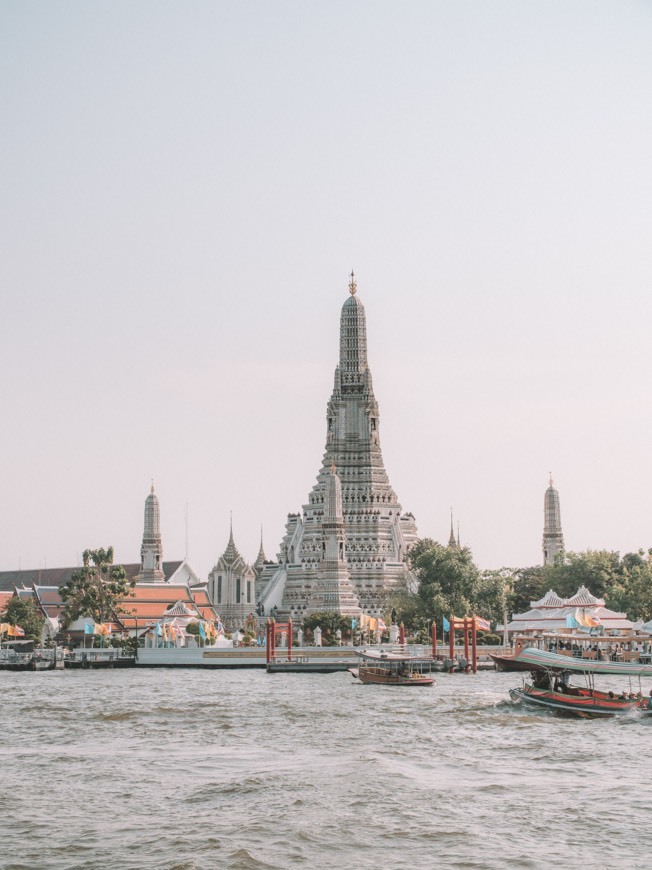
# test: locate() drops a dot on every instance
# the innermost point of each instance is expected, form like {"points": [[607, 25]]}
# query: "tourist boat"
{"points": [[550, 688], [392, 669]]}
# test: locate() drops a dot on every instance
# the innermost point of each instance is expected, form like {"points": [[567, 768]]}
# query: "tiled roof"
{"points": [[583, 598], [550, 599], [60, 576]]}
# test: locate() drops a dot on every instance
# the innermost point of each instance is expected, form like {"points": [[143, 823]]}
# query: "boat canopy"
{"points": [[540, 659], [382, 656]]}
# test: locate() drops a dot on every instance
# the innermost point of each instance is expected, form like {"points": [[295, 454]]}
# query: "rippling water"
{"points": [[239, 769]]}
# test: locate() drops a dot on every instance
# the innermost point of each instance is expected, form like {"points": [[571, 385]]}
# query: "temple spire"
{"points": [[352, 508], [452, 542], [553, 539], [151, 551]]}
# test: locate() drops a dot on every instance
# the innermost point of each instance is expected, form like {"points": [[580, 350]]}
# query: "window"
{"points": [[238, 584], [248, 591], [219, 589]]}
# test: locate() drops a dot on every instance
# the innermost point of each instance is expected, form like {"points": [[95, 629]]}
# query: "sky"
{"points": [[185, 188]]}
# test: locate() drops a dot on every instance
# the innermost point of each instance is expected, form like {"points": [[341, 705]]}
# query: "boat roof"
{"points": [[383, 656], [554, 662]]}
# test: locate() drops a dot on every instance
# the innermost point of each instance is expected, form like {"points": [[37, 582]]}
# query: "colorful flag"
{"points": [[202, 631], [4, 626], [447, 625], [89, 628], [381, 624], [571, 622], [15, 631], [158, 631], [354, 623], [482, 624]]}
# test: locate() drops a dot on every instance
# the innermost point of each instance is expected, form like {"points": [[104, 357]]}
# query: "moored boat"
{"points": [[393, 669]]}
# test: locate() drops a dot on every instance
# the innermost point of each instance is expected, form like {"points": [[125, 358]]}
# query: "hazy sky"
{"points": [[184, 188]]}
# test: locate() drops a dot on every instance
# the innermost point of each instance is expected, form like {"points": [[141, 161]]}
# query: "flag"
{"points": [[4, 626], [381, 624], [586, 620], [89, 628], [15, 631], [202, 631], [158, 631], [571, 622], [220, 627], [172, 632], [354, 623], [447, 625], [164, 632], [482, 624]]}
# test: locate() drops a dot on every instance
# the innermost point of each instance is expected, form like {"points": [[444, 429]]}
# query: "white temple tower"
{"points": [[553, 539], [151, 551], [333, 589], [231, 586], [376, 533]]}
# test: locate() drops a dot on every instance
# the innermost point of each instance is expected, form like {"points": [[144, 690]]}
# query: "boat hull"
{"points": [[585, 703], [381, 677], [509, 663]]}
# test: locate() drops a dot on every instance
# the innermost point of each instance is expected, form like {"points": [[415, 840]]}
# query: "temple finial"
{"points": [[352, 285], [550, 478], [451, 540], [152, 489]]}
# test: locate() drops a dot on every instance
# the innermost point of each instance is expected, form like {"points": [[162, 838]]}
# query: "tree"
{"points": [[329, 621], [449, 581], [97, 589], [25, 613], [528, 584]]}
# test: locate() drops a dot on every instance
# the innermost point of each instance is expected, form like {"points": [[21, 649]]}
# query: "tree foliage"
{"points": [[27, 614], [448, 584], [328, 620], [97, 589], [625, 583]]}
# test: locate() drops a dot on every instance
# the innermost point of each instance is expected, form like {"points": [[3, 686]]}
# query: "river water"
{"points": [[187, 769]]}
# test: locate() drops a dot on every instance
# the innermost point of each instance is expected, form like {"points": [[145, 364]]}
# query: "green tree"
{"points": [[449, 581], [598, 570], [25, 613], [528, 584], [329, 621], [96, 590], [405, 606], [495, 594]]}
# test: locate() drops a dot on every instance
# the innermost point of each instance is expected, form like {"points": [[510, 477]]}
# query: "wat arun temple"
{"points": [[348, 547]]}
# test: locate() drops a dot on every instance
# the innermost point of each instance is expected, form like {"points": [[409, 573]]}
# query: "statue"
{"points": [[300, 638], [317, 636]]}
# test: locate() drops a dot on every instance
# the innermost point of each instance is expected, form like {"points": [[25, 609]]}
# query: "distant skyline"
{"points": [[186, 188]]}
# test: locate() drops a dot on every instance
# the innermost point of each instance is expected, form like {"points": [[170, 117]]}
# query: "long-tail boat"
{"points": [[550, 687]]}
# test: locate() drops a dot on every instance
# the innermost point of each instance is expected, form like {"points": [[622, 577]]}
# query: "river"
{"points": [[184, 769]]}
